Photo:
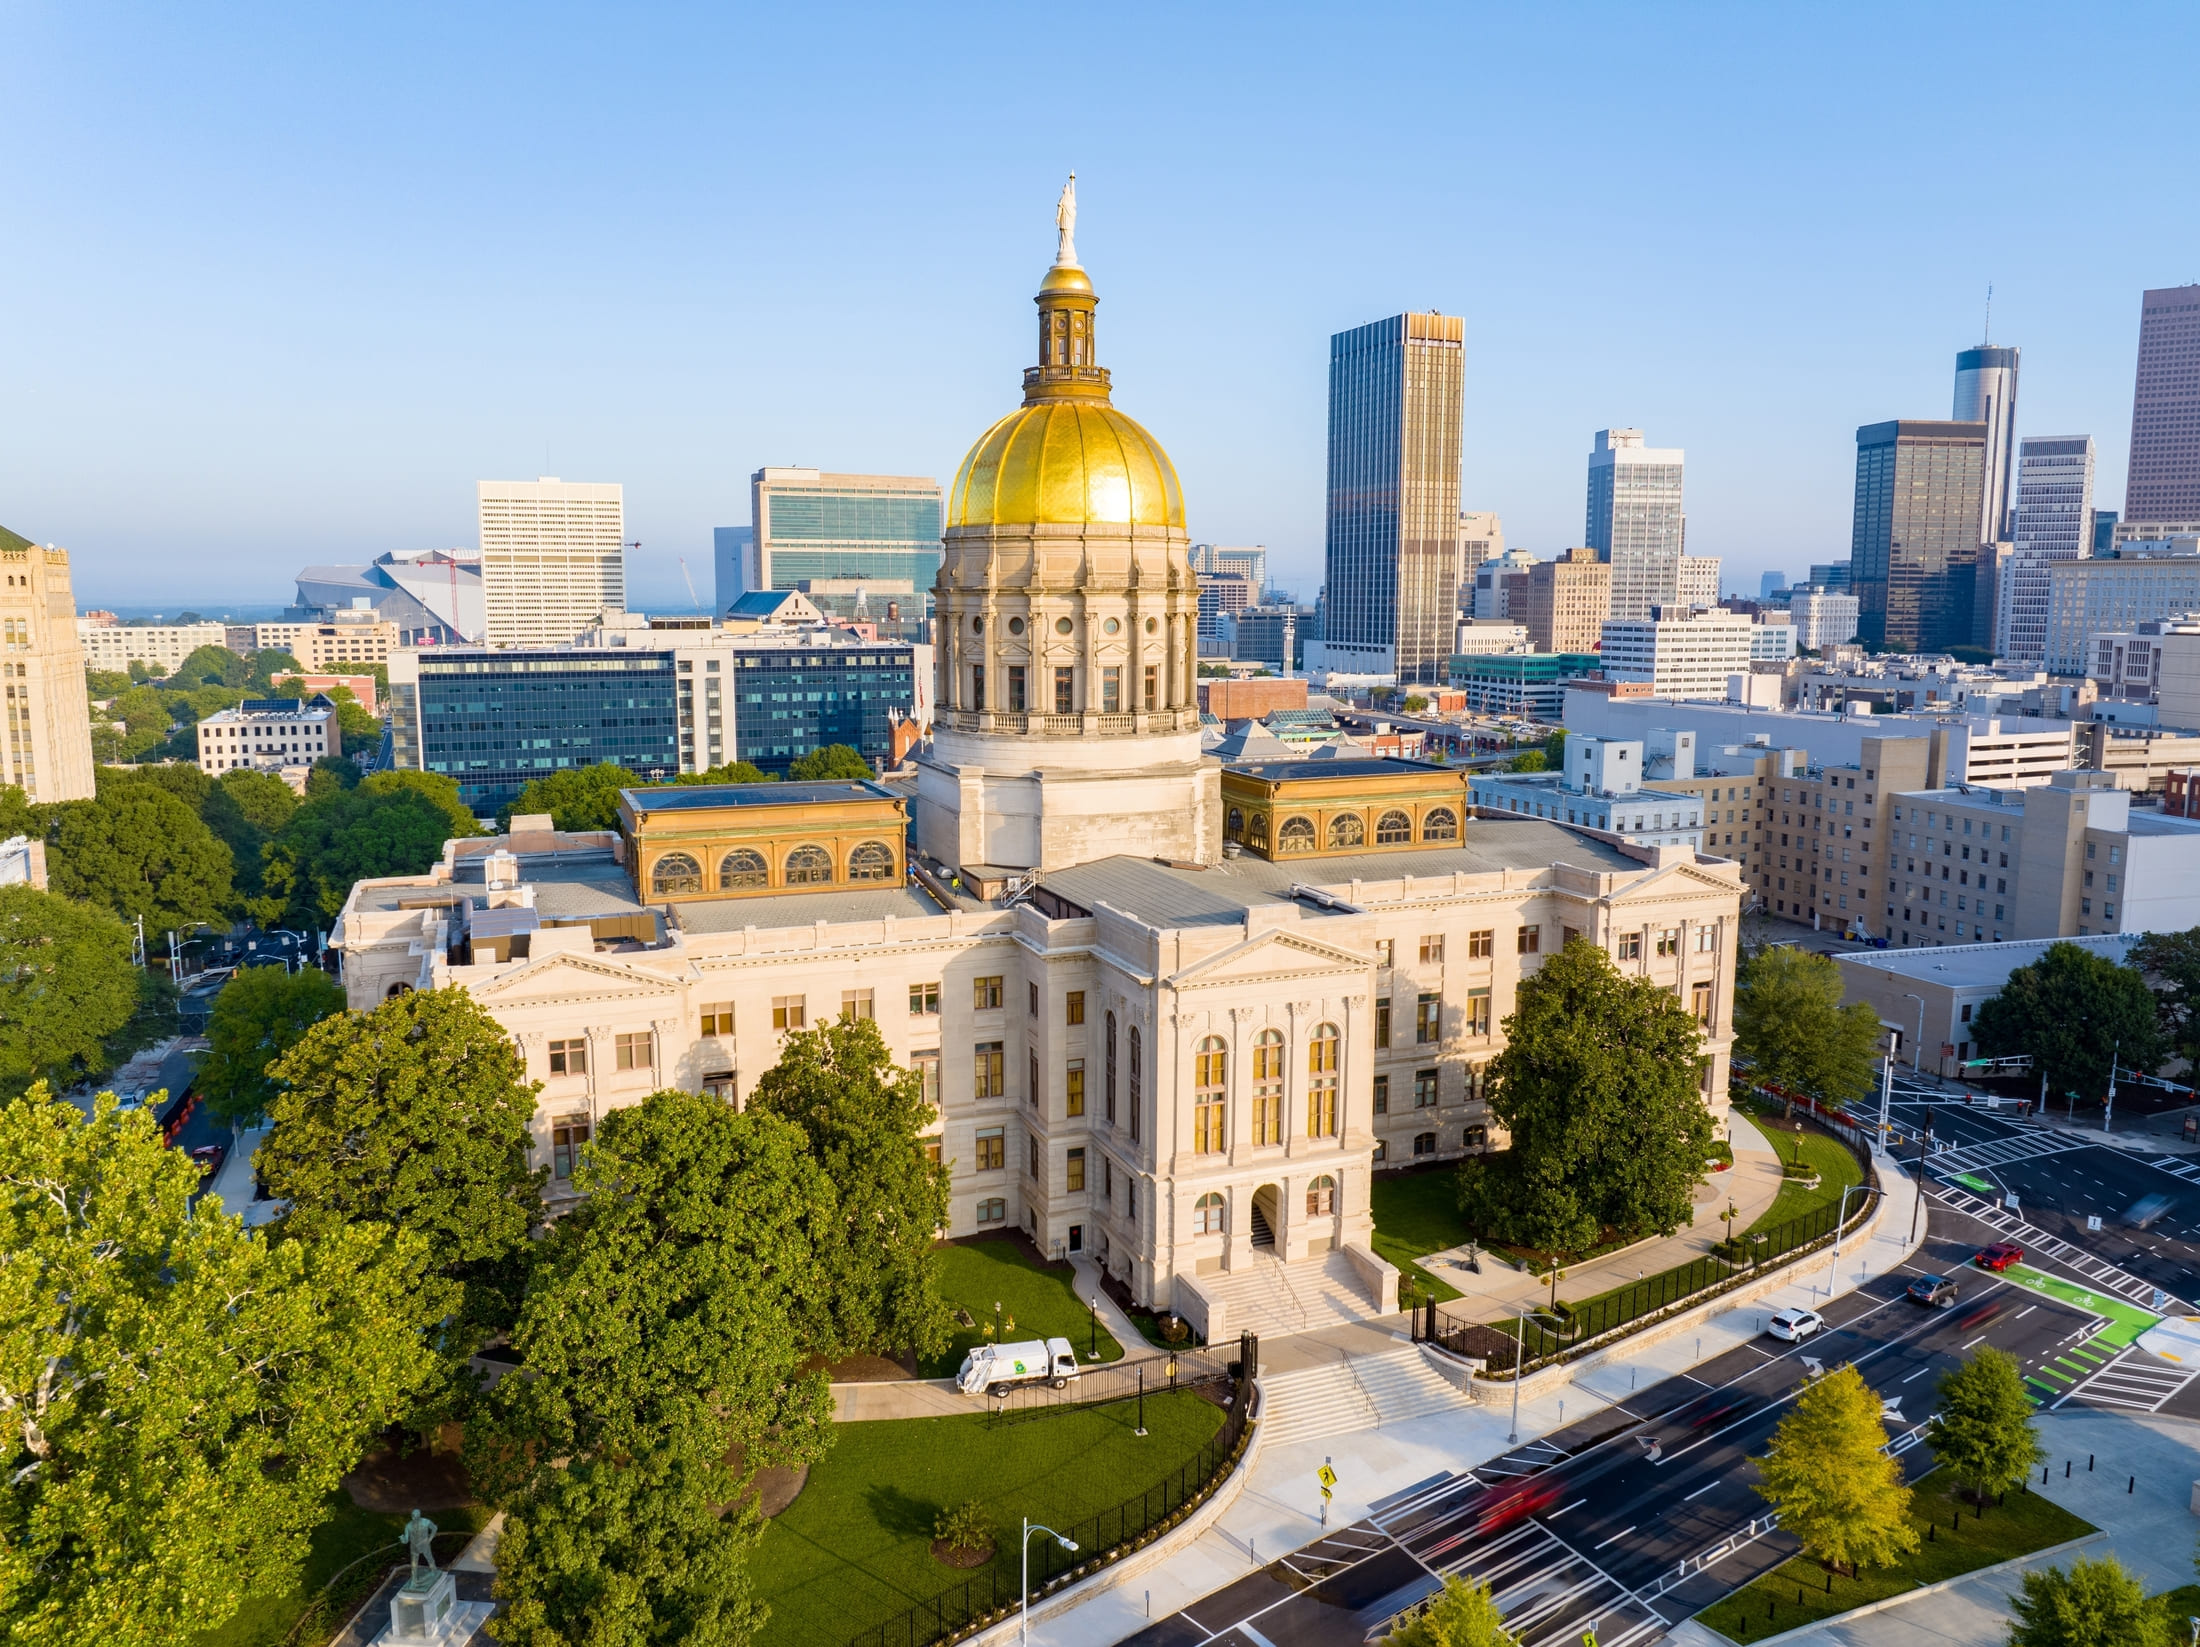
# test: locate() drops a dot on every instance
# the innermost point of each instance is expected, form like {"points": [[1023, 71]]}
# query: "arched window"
{"points": [[1345, 829], [743, 868], [872, 861], [1296, 835], [1233, 824], [1424, 1143], [1321, 1083], [1268, 1087], [675, 872], [1136, 1077], [1321, 1197], [1256, 830], [1394, 829], [1210, 1105], [398, 989], [1439, 823], [1110, 1089], [809, 866], [1207, 1215]]}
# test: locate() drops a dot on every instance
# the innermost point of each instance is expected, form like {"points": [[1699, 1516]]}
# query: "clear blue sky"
{"points": [[281, 282]]}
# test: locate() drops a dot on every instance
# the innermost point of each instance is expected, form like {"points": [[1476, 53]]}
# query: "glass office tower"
{"points": [[2054, 522], [1397, 392], [2162, 483], [807, 525], [1636, 521], [1986, 392], [1914, 543]]}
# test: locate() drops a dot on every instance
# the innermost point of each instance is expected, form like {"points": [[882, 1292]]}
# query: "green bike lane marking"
{"points": [[2125, 1321]]}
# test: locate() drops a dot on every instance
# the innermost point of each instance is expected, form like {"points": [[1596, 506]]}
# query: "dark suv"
{"points": [[1936, 1290]]}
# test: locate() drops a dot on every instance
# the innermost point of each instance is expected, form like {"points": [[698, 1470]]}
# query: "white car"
{"points": [[1795, 1325]]}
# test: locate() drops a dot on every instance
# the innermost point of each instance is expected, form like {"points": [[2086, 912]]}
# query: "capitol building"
{"points": [[1175, 1014]]}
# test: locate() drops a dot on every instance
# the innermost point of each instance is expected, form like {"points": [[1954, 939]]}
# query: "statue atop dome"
{"points": [[1065, 219]]}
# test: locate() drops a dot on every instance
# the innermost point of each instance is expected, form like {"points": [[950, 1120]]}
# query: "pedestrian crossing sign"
{"points": [[1328, 1478]]}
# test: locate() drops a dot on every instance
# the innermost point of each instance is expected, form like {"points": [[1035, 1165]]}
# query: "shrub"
{"points": [[965, 1527]]}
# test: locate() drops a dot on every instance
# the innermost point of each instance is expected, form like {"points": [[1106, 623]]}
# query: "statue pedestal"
{"points": [[426, 1612]]}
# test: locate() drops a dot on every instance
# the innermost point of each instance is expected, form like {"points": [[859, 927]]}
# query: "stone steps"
{"points": [[1270, 1298], [1348, 1395]]}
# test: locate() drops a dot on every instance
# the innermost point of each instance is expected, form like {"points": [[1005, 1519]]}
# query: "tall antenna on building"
{"points": [[1988, 336]]}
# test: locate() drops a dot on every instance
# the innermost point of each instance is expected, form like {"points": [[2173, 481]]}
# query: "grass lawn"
{"points": [[2024, 1522], [976, 1275], [349, 1534], [855, 1547], [1417, 1213], [1837, 1170]]}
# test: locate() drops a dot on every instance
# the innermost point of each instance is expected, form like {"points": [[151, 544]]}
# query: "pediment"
{"points": [[1270, 957], [1676, 880], [575, 978]]}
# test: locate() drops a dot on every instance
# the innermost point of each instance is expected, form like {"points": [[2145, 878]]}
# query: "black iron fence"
{"points": [[1097, 1385], [994, 1593]]}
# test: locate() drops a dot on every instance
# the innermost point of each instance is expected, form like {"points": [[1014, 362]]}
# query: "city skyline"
{"points": [[239, 327]]}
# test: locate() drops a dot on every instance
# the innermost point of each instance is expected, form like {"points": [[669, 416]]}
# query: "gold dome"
{"points": [[1066, 463]]}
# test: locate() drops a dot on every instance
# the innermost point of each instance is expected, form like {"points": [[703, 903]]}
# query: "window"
{"points": [[1073, 1007], [569, 1057], [1530, 940], [1074, 1164], [1111, 691], [1480, 945], [1699, 1003], [1346, 829], [1016, 688], [924, 1000], [809, 866], [720, 1086], [718, 1020], [675, 872], [1432, 949], [989, 1072], [1268, 1087], [1382, 1152], [1135, 1082], [1393, 829], [1427, 1088], [1478, 1012], [1031, 1000], [1440, 823], [788, 1012], [992, 1210], [986, 995], [1031, 1080], [1210, 1070], [1107, 1086], [1065, 691], [1207, 1215], [1073, 1087], [931, 1148], [927, 1066], [743, 868], [1153, 686], [1428, 1019], [1321, 1083], [634, 1050], [872, 861], [1295, 835], [567, 1135], [1707, 940], [1382, 1022], [1669, 941], [1385, 951], [1382, 1095], [1033, 1160], [1424, 1143], [1321, 1197], [854, 1004], [977, 685], [1630, 946], [992, 1149]]}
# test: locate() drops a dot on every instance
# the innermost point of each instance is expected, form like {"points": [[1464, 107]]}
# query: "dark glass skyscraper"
{"points": [[1397, 393], [1914, 545], [2163, 481]]}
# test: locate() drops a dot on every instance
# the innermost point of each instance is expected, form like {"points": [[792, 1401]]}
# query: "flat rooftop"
{"points": [[1979, 966], [1380, 767], [704, 797]]}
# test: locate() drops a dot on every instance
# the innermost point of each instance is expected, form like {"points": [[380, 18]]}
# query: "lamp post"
{"points": [[1023, 1612], [2108, 1104], [1092, 1347], [1886, 1086], [1520, 1357], [1840, 1218], [1917, 1048]]}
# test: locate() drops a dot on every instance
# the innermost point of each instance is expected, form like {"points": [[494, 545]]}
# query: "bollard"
{"points": [[1149, 1604], [2131, 1486], [2066, 1469], [2089, 1463]]}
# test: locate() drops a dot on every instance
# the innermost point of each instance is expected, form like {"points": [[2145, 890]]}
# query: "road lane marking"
{"points": [[1575, 1505], [1700, 1491], [1920, 1373], [1980, 1339], [2027, 1310], [1614, 1539]]}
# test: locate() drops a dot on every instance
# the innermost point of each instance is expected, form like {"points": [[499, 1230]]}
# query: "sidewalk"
{"points": [[1278, 1509]]}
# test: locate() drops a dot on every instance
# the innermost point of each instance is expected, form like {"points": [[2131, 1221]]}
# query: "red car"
{"points": [[1999, 1256]]}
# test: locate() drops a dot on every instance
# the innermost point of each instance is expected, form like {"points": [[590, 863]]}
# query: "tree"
{"points": [[415, 1115], [2170, 961], [16, 816], [244, 810], [1414, 704], [345, 837], [459, 820], [1982, 1432], [145, 720], [66, 984], [1529, 760], [329, 777], [1461, 1614], [580, 797], [834, 760], [731, 772], [261, 1013], [187, 783], [1835, 1490], [268, 664], [185, 1393], [1599, 1087], [2095, 1604], [360, 730], [2072, 1011], [155, 1017], [211, 665], [873, 1236], [106, 683], [1790, 1024], [137, 850]]}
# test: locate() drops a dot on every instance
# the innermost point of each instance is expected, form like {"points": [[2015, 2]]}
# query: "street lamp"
{"points": [[1093, 1344], [1520, 1356], [1917, 1048], [1839, 1218], [1023, 1612]]}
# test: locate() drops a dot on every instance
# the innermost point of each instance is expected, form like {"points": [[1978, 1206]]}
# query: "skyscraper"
{"points": [[2054, 521], [1986, 392], [46, 737], [1698, 583], [810, 526], [1914, 544], [553, 558], [1635, 520], [1770, 584], [1397, 394], [2163, 482], [1481, 538], [1249, 563]]}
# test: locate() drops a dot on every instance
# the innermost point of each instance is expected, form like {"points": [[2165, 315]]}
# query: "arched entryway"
{"points": [[1264, 1219]]}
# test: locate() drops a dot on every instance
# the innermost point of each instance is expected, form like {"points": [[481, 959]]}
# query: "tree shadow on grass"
{"points": [[901, 1514]]}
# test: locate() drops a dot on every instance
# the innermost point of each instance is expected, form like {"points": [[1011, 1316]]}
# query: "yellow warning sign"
{"points": [[1328, 1477]]}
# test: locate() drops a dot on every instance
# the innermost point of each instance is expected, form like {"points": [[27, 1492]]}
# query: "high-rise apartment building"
{"points": [[1635, 519], [1250, 563], [1679, 652], [1699, 580], [553, 558], [1914, 545], [2163, 481], [1986, 392], [46, 735], [808, 525], [2054, 522], [1568, 601], [1481, 538], [1397, 394], [1822, 618], [1222, 596]]}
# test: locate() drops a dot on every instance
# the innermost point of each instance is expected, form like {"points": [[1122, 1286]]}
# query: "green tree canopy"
{"points": [[415, 1115], [1461, 1614], [16, 816], [345, 837], [1600, 1087], [144, 715], [731, 772], [2170, 961], [1529, 760], [211, 666], [186, 1393], [873, 1237], [244, 810], [137, 850], [1835, 1490], [329, 777], [2072, 1011], [186, 782], [1790, 1024], [261, 1013], [459, 820], [1982, 1433], [66, 985], [268, 664], [579, 797], [834, 760], [265, 800], [2095, 1604], [106, 683]]}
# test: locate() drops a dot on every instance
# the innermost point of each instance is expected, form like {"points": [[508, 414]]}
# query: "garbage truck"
{"points": [[994, 1369]]}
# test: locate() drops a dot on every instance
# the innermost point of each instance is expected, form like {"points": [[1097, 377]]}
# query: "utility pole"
{"points": [[2108, 1104]]}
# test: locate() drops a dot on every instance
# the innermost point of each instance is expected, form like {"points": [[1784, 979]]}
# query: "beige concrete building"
{"points": [[553, 558], [329, 647], [1927, 1003], [161, 647], [281, 735], [1568, 601], [46, 736]]}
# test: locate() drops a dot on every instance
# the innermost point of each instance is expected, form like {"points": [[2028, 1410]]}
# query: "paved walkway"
{"points": [[2139, 1494]]}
